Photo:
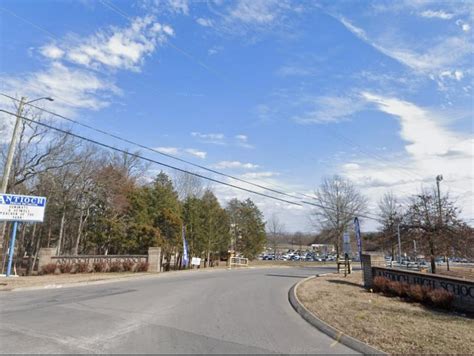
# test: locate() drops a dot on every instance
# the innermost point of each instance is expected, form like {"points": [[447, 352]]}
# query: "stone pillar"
{"points": [[154, 259], [45, 256], [369, 260]]}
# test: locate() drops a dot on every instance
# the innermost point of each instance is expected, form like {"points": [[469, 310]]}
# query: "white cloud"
{"points": [[168, 150], [114, 48], [464, 26], [351, 166], [257, 175], [440, 14], [446, 52], [431, 149], [215, 138], [255, 11], [326, 109], [51, 51], [204, 22], [294, 71], [71, 88], [234, 165], [242, 138], [196, 153], [175, 7]]}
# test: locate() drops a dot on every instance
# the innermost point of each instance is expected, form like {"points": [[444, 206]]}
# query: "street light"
{"points": [[11, 153], [12, 147]]}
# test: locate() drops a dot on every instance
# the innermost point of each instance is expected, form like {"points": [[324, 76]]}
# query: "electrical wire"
{"points": [[98, 143]]}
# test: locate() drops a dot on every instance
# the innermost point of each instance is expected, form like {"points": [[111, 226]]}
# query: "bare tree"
{"points": [[275, 230], [338, 203], [391, 215], [438, 234], [188, 185]]}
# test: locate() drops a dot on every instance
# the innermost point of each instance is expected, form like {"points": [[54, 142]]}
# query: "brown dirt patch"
{"points": [[389, 324]]}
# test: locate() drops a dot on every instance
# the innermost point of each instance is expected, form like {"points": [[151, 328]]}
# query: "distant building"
{"points": [[323, 248]]}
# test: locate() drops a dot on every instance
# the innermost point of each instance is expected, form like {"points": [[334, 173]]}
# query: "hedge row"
{"points": [[99, 266], [438, 297]]}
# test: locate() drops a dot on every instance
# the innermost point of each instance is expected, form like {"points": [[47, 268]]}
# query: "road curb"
{"points": [[322, 326]]}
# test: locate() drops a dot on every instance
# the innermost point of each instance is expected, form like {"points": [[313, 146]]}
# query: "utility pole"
{"points": [[12, 147], [439, 178], [399, 245], [11, 155]]}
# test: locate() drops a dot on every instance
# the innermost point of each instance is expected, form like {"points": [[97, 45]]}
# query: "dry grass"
{"points": [[61, 279], [463, 272], [389, 324]]}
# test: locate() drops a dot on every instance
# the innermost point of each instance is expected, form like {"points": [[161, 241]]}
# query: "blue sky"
{"points": [[279, 92]]}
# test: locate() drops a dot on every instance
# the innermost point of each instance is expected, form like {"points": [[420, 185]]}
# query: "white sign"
{"points": [[346, 238], [21, 208], [195, 261]]}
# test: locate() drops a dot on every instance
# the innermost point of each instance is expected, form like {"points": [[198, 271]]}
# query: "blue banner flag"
{"points": [[185, 260], [357, 233]]}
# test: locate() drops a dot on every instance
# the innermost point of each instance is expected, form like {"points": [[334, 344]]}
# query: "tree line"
{"points": [[428, 223], [101, 202]]}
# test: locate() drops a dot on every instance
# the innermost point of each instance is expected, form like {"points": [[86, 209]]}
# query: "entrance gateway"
{"points": [[20, 208]]}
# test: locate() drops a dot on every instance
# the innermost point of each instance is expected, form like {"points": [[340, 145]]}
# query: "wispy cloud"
{"points": [[234, 165], [257, 175], [438, 14], [214, 138], [242, 141], [204, 22], [431, 149], [326, 109], [178, 151], [169, 150], [196, 153], [447, 52], [294, 71]]}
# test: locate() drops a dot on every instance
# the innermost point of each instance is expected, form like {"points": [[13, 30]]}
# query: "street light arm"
{"points": [[43, 98]]}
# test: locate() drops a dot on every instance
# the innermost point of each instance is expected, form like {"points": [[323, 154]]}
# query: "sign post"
{"points": [[20, 208]]}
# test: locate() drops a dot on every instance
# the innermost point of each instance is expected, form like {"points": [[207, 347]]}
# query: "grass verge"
{"points": [[389, 324]]}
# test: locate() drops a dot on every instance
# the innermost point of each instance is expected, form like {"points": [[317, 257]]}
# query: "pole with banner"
{"points": [[185, 259], [358, 237], [20, 208]]}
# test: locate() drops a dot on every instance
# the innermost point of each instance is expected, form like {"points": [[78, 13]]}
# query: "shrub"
{"points": [[50, 268], [127, 265], [65, 267], [141, 267], [394, 288], [116, 266], [99, 266], [418, 293], [81, 267], [381, 284], [441, 298]]}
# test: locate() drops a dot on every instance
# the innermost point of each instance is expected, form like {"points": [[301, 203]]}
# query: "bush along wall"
{"points": [[438, 297]]}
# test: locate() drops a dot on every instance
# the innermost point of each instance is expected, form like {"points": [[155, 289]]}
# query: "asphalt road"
{"points": [[218, 311]]}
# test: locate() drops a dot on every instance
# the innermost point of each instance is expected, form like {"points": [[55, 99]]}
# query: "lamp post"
{"points": [[10, 155], [12, 147]]}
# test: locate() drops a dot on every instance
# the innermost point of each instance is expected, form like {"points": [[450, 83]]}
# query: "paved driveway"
{"points": [[215, 311]]}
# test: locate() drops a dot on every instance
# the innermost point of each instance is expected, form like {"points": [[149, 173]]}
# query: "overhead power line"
{"points": [[158, 152], [145, 158], [98, 143]]}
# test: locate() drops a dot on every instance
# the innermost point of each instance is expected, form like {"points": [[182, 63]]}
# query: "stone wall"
{"points": [[462, 289], [369, 260], [47, 256]]}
